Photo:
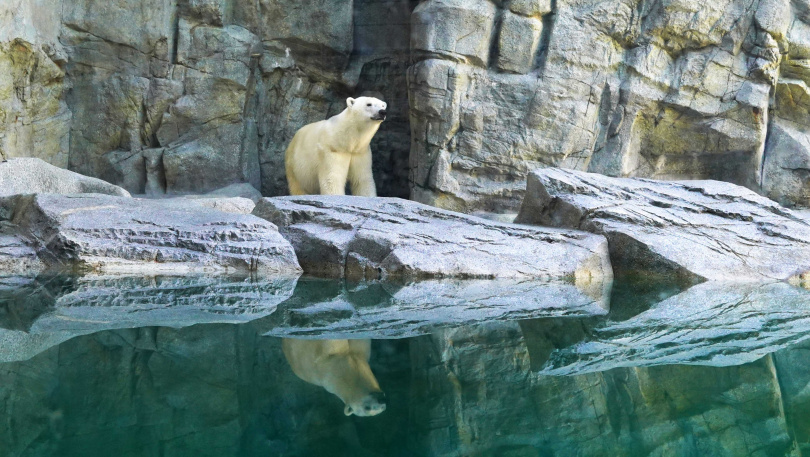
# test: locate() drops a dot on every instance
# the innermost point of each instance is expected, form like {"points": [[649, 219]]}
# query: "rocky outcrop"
{"points": [[714, 323], [692, 230], [325, 308], [673, 90], [378, 238], [191, 96], [34, 176], [197, 95], [106, 233]]}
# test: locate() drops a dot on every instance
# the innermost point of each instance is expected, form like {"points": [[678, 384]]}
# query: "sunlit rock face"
{"points": [[690, 230], [194, 95], [121, 234], [191, 96], [378, 238], [669, 90]]}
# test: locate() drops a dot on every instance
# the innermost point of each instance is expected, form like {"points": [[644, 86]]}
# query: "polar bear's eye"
{"points": [[369, 104]]}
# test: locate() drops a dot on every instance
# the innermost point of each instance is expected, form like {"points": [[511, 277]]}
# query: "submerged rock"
{"points": [[114, 234], [326, 308], [376, 238], [693, 230], [713, 323], [34, 176]]}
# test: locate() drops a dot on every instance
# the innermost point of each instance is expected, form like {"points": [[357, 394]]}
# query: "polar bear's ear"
{"points": [[349, 102], [347, 410]]}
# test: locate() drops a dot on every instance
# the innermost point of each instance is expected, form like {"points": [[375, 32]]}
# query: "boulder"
{"points": [[34, 176], [691, 230], [107, 233], [377, 238]]}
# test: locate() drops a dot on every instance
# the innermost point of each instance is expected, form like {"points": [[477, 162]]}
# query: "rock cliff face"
{"points": [[191, 95]]}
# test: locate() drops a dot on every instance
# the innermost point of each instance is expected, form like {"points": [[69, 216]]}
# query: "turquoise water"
{"points": [[164, 367]]}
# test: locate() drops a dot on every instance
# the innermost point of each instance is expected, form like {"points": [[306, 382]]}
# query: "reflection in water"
{"points": [[225, 390], [85, 372], [340, 367]]}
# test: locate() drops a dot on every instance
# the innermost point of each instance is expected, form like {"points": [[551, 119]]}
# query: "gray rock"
{"points": [[331, 309], [377, 238], [237, 205], [114, 234], [692, 230], [32, 176], [714, 323], [243, 190]]}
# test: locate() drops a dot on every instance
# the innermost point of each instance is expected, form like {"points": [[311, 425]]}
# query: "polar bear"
{"points": [[323, 155], [340, 367]]}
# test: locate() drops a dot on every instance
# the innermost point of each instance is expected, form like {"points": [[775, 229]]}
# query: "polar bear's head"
{"points": [[367, 107]]}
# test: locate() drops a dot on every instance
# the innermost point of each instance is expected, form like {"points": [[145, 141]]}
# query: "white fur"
{"points": [[339, 366], [324, 155]]}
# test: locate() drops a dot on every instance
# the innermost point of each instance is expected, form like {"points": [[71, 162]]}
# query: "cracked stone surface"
{"points": [[107, 233], [692, 230], [377, 238]]}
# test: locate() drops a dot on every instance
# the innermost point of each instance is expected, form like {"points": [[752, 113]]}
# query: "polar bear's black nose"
{"points": [[383, 112], [379, 397]]}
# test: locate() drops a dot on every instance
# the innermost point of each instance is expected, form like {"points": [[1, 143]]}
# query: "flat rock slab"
{"points": [[378, 238], [328, 308], [35, 176], [125, 235], [38, 313], [695, 230], [713, 323]]}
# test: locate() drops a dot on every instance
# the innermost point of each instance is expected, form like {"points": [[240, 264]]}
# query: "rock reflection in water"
{"points": [[224, 390]]}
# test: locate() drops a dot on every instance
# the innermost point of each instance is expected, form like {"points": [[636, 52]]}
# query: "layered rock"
{"points": [[35, 176], [377, 238], [106, 233], [692, 230], [674, 90]]}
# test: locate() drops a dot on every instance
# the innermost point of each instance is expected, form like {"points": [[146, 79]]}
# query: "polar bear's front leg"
{"points": [[361, 176], [332, 173]]}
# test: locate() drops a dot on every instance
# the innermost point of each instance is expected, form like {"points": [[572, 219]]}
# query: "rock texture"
{"points": [[323, 308], [377, 238], [107, 233], [35, 176], [669, 90], [191, 96], [714, 323], [692, 230]]}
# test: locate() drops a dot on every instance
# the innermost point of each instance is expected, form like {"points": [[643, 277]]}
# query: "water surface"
{"points": [[194, 367]]}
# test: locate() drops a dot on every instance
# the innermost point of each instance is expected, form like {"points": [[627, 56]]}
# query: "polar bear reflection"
{"points": [[340, 367]]}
